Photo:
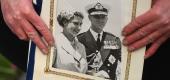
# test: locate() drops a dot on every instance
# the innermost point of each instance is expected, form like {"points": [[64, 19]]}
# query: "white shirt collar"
{"points": [[95, 34]]}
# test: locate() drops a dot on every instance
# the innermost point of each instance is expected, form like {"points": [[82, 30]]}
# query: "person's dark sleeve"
{"points": [[11, 47], [157, 67]]}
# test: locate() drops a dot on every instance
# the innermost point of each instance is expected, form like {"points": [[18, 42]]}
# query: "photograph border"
{"points": [[129, 55], [51, 25]]}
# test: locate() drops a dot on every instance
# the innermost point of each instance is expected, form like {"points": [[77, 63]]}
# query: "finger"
{"points": [[155, 46], [20, 33], [33, 35], [150, 38], [142, 32], [139, 22], [41, 27], [15, 27]]}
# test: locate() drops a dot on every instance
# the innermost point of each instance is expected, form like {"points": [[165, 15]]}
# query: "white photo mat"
{"points": [[131, 64]]}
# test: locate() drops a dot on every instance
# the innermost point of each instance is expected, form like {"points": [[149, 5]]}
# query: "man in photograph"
{"points": [[103, 49]]}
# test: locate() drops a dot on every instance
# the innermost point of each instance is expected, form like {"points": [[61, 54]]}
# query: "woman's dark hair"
{"points": [[65, 17]]}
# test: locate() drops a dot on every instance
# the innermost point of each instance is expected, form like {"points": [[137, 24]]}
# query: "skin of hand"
{"points": [[151, 27], [23, 21], [102, 74]]}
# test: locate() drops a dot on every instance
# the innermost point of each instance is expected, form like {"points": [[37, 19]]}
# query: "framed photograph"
{"points": [[88, 41]]}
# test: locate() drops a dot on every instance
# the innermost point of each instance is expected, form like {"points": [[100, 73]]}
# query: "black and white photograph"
{"points": [[88, 41], [87, 38]]}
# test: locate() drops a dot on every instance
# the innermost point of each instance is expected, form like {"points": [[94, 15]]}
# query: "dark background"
{"points": [[11, 47]]}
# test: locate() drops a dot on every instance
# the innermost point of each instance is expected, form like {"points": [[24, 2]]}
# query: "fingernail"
{"points": [[124, 33], [125, 42], [51, 43], [44, 51], [131, 49], [146, 56], [21, 37]]}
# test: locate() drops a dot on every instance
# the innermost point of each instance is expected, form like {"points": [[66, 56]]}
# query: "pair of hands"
{"points": [[151, 27]]}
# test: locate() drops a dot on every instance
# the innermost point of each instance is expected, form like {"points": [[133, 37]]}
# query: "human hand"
{"points": [[151, 27], [22, 20], [102, 74]]}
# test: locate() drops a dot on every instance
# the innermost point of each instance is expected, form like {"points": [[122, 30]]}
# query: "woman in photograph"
{"points": [[70, 53]]}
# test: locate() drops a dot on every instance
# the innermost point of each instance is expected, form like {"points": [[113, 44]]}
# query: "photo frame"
{"points": [[120, 12]]}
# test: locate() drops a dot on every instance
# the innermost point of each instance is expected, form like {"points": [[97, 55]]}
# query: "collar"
{"points": [[65, 44], [95, 34]]}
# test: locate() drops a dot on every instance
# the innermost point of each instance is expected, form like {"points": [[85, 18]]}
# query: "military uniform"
{"points": [[103, 49], [110, 52]]}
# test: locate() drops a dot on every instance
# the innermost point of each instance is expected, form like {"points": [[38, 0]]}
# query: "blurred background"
{"points": [[9, 71]]}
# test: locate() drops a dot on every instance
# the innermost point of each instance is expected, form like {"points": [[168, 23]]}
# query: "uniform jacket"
{"points": [[67, 57], [110, 51]]}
